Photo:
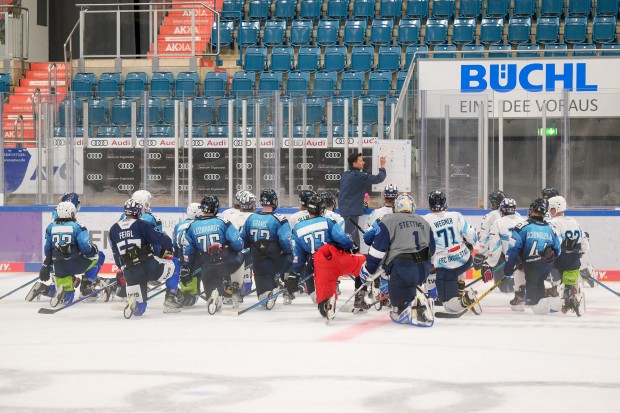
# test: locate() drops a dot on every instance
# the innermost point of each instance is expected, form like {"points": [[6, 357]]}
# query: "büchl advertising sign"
{"points": [[521, 88]]}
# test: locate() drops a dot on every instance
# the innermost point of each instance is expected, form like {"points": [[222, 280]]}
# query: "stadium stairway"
{"points": [[20, 99]]}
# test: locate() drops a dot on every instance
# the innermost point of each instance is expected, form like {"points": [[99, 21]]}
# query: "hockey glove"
{"points": [[214, 250], [486, 273], [44, 274], [120, 278], [166, 254], [365, 275], [186, 275], [548, 255], [478, 261], [355, 249]]}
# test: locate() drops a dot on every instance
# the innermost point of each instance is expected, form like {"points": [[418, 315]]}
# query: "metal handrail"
{"points": [[69, 62], [20, 120]]}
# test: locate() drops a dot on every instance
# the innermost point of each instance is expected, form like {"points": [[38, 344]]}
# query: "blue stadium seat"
{"points": [[267, 131], [497, 8], [77, 110], [301, 31], [579, 7], [284, 9], [251, 113], [186, 85], [409, 31], [492, 30], [352, 84], [217, 131], [363, 9], [242, 84], [155, 106], [449, 49], [121, 111], [381, 31], [500, 51], [215, 84], [417, 8], [472, 48], [575, 29], [443, 9], [337, 9], [436, 31], [410, 53], [528, 50], [379, 83], [282, 58], [269, 82], [604, 29], [584, 49], [298, 83], [338, 104], [286, 104], [388, 104], [274, 32], [327, 32], [135, 84], [519, 30], [464, 30], [298, 131], [247, 33], [167, 114], [389, 58], [96, 111], [551, 8], [310, 9], [197, 131], [355, 32], [239, 131], [335, 58], [547, 29], [470, 8], [315, 107], [79, 131], [258, 9], [109, 131], [366, 130], [556, 50], [231, 9], [610, 49], [109, 85], [161, 131], [390, 9], [5, 82], [308, 58], [222, 112], [139, 131], [202, 110], [400, 80], [524, 8], [606, 8], [362, 58], [162, 84], [255, 59], [83, 85], [325, 83], [59, 132], [370, 110], [225, 33], [336, 131]]}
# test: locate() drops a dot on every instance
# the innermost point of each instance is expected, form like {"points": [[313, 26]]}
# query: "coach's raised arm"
{"points": [[352, 189]]}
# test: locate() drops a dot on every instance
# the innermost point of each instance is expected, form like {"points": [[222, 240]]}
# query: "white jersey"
{"points": [[485, 229], [228, 214], [334, 216], [500, 236], [449, 230], [238, 220], [298, 217], [567, 227], [378, 214]]}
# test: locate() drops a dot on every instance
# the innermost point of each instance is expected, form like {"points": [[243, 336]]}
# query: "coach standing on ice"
{"points": [[352, 188]]}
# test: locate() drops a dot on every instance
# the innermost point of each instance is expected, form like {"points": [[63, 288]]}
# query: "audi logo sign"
{"points": [[98, 142], [240, 166], [184, 165], [183, 188], [59, 142], [125, 187], [126, 165], [269, 155], [94, 155], [211, 177], [268, 177], [154, 177], [248, 187], [94, 177], [305, 165], [332, 177], [302, 187], [212, 155], [196, 143], [154, 155], [333, 155]]}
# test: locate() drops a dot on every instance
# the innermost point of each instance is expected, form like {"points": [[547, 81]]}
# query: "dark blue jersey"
{"points": [[136, 233], [205, 232], [267, 226], [529, 240], [67, 236], [313, 233]]}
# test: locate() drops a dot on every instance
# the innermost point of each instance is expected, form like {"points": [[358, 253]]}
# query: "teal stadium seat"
{"points": [[519, 30], [409, 31], [547, 29], [575, 29], [436, 31], [121, 111], [155, 107], [162, 84], [215, 84], [362, 58], [497, 8], [301, 32], [308, 58], [282, 58], [417, 8], [464, 30], [556, 50], [327, 32], [470, 49], [443, 9], [390, 9], [470, 8], [135, 84], [492, 30], [243, 84], [274, 32], [310, 9], [109, 85], [83, 85], [325, 83], [381, 31], [604, 29], [186, 85]]}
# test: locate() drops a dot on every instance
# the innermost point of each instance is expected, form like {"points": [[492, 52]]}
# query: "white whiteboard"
{"points": [[398, 166]]}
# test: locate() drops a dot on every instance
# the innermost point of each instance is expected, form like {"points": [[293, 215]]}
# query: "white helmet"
{"points": [[404, 203], [239, 196], [557, 202], [66, 210], [248, 200], [143, 197], [194, 210]]}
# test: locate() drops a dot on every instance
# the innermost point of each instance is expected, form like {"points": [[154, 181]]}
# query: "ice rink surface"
{"points": [[88, 358]]}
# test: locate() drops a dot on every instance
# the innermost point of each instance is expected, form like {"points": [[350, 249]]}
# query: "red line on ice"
{"points": [[358, 329]]}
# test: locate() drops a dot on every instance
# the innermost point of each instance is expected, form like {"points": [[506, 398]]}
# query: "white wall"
{"points": [[38, 35]]}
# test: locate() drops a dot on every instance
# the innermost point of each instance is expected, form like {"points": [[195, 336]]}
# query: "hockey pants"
{"points": [[330, 263]]}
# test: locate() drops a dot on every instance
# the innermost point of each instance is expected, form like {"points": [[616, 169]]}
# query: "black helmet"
{"points": [[305, 195], [133, 208], [315, 205], [495, 198], [328, 199], [437, 201], [508, 206], [549, 192], [539, 205], [268, 197], [210, 204]]}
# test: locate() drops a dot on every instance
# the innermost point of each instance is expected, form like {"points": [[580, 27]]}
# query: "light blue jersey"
{"points": [[311, 234], [205, 232]]}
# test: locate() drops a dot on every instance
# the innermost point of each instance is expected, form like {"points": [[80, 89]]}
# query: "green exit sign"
{"points": [[549, 131]]}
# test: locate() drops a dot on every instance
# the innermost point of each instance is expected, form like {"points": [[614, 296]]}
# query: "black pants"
{"points": [[266, 267]]}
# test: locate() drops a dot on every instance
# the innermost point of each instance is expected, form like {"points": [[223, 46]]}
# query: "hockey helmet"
{"points": [[558, 203], [539, 205], [193, 210], [390, 192], [305, 195], [328, 198], [508, 206], [66, 210], [437, 201], [495, 198], [404, 203], [248, 200], [71, 197], [210, 204], [268, 197], [549, 192], [143, 197], [133, 208], [238, 196], [315, 205]]}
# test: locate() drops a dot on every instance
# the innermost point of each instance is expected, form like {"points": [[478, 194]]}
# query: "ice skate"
{"points": [[518, 302], [214, 303], [236, 297], [171, 303], [469, 297], [87, 288], [103, 284], [327, 308], [287, 298], [401, 317], [271, 303], [58, 297], [360, 304], [39, 289]]}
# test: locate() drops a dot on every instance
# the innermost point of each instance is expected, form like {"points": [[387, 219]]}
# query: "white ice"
{"points": [[88, 358]]}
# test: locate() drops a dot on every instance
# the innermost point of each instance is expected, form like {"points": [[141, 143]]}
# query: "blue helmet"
{"points": [[71, 197], [508, 206], [390, 192], [133, 208]]}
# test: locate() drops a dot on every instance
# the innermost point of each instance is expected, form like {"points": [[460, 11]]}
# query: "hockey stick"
{"points": [[497, 268], [19, 288], [263, 301], [55, 310], [593, 279], [470, 306], [342, 307]]}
